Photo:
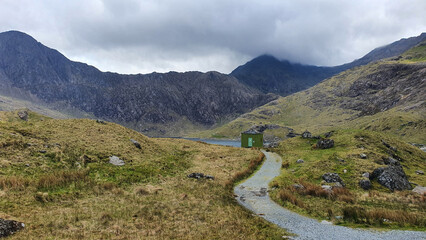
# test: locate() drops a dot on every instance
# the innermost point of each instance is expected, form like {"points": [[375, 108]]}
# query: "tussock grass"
{"points": [[73, 192], [61, 179], [13, 183], [287, 195]]}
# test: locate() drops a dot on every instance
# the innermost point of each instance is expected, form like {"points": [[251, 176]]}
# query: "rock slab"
{"points": [[114, 160]]}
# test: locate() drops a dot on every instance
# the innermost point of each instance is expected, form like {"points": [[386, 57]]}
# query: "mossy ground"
{"points": [[407, 209], [55, 177]]}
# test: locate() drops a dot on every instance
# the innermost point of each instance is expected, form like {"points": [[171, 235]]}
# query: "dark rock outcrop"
{"points": [[365, 184], [325, 143], [391, 161], [136, 143], [9, 227], [306, 134], [268, 74], [332, 178], [200, 176], [392, 177], [23, 115]]}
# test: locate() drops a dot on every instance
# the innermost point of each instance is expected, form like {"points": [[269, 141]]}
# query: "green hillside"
{"points": [[386, 96], [56, 177]]}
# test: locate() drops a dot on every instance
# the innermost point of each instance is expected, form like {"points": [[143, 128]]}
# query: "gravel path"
{"points": [[253, 195]]}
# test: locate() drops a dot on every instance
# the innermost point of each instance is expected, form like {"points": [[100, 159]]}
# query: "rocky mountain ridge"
{"points": [[268, 74], [30, 70]]}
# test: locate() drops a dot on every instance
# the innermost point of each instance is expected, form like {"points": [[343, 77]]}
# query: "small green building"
{"points": [[251, 138]]}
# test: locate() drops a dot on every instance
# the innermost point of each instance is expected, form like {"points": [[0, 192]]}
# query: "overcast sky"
{"points": [[142, 36]]}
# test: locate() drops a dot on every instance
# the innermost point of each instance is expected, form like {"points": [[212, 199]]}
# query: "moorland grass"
{"points": [[55, 177]]}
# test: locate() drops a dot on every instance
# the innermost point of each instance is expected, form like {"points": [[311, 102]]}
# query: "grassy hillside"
{"points": [[351, 205], [385, 96], [55, 176]]}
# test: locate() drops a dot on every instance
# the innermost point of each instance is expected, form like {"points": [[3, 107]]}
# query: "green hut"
{"points": [[251, 138]]}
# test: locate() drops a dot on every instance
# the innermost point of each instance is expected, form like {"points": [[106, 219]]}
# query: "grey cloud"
{"points": [[161, 35]]}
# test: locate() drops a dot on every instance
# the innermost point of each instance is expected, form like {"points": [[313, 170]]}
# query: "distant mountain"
{"points": [[386, 96], [282, 77], [31, 71]]}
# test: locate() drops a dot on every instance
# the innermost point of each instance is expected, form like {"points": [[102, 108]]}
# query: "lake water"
{"points": [[233, 143]]}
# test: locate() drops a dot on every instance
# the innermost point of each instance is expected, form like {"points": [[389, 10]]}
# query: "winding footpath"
{"points": [[253, 195]]}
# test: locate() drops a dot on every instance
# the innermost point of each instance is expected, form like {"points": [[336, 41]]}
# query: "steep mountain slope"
{"points": [[384, 96], [31, 71], [57, 178], [269, 74]]}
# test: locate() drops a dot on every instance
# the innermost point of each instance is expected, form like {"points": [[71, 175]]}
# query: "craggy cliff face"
{"points": [[29, 69]]}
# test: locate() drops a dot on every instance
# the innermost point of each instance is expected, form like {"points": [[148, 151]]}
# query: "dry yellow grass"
{"points": [[94, 200]]}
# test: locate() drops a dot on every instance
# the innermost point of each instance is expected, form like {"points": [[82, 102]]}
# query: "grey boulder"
{"points": [[114, 160]]}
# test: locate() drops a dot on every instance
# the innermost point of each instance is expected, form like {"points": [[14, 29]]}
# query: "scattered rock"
{"points": [[196, 175], [271, 145], [325, 143], [332, 178], [365, 184], [27, 165], [199, 176], [420, 172], [420, 190], [392, 177], [42, 151], [363, 156], [389, 146], [23, 115], [338, 217], [391, 161], [136, 143], [326, 222], [345, 171], [100, 121], [306, 134], [328, 134], [298, 186], [114, 160], [291, 135], [327, 188], [9, 227], [341, 160], [209, 177], [366, 175], [300, 161]]}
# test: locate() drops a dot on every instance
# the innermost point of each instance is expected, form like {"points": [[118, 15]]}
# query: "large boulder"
{"points": [[332, 178], [9, 227], [392, 177], [325, 143]]}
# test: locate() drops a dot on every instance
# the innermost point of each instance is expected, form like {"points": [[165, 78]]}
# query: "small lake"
{"points": [[232, 143]]}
